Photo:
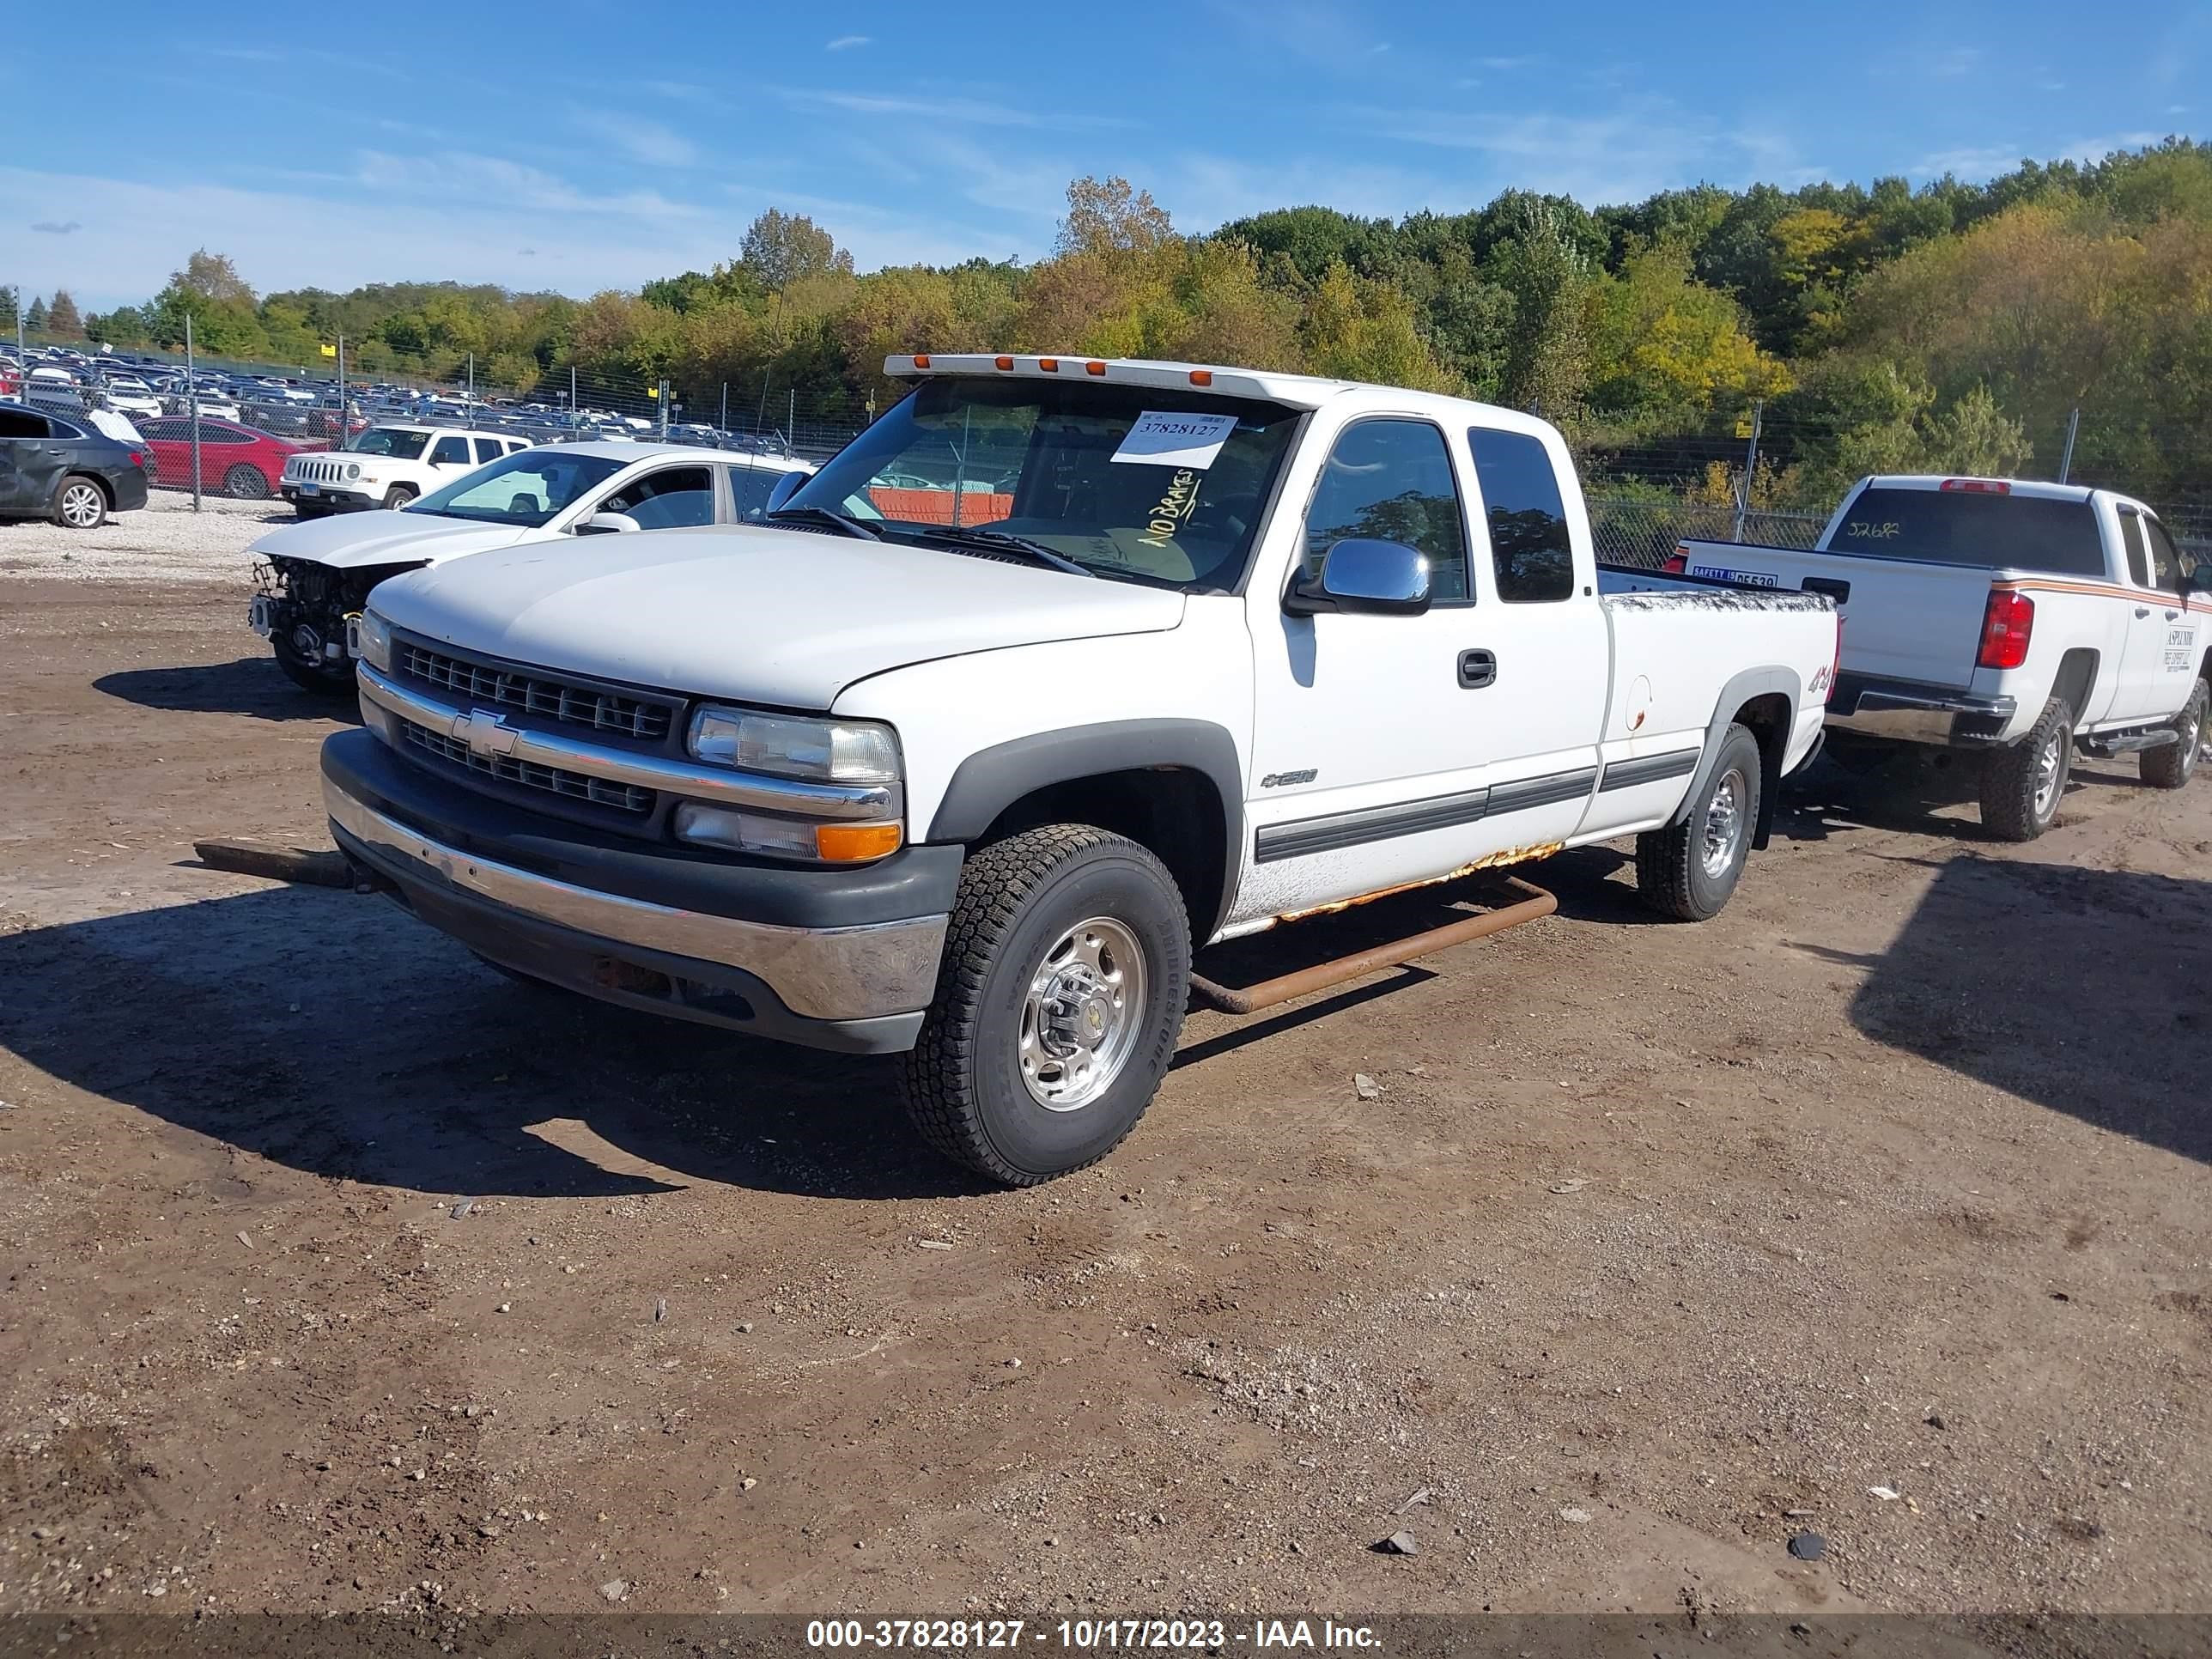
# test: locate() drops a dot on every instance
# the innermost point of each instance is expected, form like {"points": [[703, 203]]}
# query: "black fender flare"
{"points": [[991, 779], [1740, 690]]}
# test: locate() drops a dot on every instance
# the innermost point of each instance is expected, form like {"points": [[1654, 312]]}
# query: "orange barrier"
{"points": [[935, 506]]}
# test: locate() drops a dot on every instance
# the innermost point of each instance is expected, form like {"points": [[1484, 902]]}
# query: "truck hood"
{"points": [[359, 541], [777, 617]]}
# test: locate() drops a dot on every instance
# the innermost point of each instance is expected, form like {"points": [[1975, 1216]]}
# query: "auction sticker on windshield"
{"points": [[1166, 439]]}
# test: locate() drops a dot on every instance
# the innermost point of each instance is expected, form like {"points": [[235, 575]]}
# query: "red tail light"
{"points": [[1678, 562], [138, 459], [2006, 626]]}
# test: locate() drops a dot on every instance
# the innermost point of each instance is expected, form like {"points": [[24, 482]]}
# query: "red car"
{"points": [[235, 460]]}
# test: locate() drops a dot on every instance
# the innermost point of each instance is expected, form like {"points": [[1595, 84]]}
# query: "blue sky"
{"points": [[578, 147]]}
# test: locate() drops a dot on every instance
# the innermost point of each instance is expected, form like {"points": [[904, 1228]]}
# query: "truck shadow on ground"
{"points": [[326, 1032], [251, 685], [1939, 797], [2083, 991]]}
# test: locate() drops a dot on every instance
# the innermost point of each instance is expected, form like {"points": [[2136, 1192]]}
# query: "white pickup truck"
{"points": [[388, 467], [313, 576], [1057, 672], [2023, 619]]}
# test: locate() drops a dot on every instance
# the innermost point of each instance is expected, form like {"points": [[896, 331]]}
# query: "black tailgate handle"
{"points": [[1477, 669], [1840, 592]]}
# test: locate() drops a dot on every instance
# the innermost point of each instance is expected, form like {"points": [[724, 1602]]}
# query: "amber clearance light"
{"points": [[847, 843]]}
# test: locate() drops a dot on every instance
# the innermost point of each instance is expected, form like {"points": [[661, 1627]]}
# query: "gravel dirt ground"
{"points": [[344, 1273]]}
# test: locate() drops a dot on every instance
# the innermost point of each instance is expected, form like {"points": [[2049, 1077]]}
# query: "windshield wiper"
{"points": [[844, 522], [998, 539]]}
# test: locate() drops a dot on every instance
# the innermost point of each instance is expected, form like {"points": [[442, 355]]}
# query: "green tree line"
{"points": [[1954, 326]]}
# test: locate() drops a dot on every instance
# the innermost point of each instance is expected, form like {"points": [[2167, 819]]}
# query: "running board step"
{"points": [[2126, 742], [1535, 904]]}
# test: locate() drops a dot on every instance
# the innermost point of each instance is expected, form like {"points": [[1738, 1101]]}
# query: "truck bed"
{"points": [[1904, 619]]}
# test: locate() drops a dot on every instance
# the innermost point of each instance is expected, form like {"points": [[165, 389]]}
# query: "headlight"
{"points": [[826, 751], [352, 470], [375, 641]]}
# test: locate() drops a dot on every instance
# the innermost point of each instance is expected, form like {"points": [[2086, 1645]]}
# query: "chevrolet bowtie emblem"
{"points": [[485, 734]]}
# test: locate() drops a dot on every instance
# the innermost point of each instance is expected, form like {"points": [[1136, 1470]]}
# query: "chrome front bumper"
{"points": [[835, 974]]}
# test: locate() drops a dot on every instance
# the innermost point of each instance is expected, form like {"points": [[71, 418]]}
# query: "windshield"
{"points": [[1957, 526], [525, 490], [390, 440], [1067, 465]]}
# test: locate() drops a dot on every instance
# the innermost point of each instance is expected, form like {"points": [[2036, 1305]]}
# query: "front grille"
{"points": [[576, 705], [574, 786], [315, 471]]}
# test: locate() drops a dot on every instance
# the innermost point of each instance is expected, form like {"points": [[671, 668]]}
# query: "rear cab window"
{"points": [[1991, 532], [1530, 553]]}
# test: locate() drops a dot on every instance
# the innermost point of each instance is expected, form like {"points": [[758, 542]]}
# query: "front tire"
{"points": [[324, 678], [80, 503], [2173, 766], [1689, 869], [399, 494], [1059, 1000], [2023, 782]]}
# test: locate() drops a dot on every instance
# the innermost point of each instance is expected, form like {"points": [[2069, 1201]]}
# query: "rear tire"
{"points": [[2173, 766], [245, 483], [1689, 869], [1059, 1000], [80, 503], [2023, 782]]}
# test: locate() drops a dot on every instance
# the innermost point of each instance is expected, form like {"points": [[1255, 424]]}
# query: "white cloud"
{"points": [[58, 227], [646, 141], [1203, 191], [1642, 146], [952, 111], [1973, 164], [847, 42]]}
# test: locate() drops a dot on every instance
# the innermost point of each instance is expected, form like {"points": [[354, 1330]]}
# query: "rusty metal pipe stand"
{"points": [[1207, 994]]}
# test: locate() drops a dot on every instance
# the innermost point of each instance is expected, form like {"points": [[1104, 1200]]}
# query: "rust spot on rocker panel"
{"points": [[1535, 850]]}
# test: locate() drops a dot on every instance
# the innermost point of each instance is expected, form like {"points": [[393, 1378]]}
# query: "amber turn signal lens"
{"points": [[921, 359], [1201, 377], [1050, 365], [844, 843], [1094, 368], [1006, 362]]}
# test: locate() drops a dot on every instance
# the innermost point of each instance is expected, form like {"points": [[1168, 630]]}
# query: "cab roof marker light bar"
{"points": [[1164, 377]]}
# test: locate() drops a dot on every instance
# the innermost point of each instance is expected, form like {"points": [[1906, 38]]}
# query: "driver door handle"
{"points": [[1477, 669]]}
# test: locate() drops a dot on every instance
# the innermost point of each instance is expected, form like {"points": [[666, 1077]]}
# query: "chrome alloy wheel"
{"points": [[2048, 765], [1084, 1014], [80, 505], [1724, 823]]}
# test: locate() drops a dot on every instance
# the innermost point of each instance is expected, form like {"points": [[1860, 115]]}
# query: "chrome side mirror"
{"points": [[1360, 574]]}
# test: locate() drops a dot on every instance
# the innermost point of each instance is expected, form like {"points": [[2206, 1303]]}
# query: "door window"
{"points": [[2168, 563], [1391, 480], [675, 497], [749, 488], [19, 423], [451, 452], [2131, 538], [1530, 553], [488, 449]]}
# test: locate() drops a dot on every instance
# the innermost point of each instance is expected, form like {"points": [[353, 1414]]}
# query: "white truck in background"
{"points": [[2025, 621], [1056, 673]]}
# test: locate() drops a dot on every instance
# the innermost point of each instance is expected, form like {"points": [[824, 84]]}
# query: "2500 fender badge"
{"points": [[1277, 780]]}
